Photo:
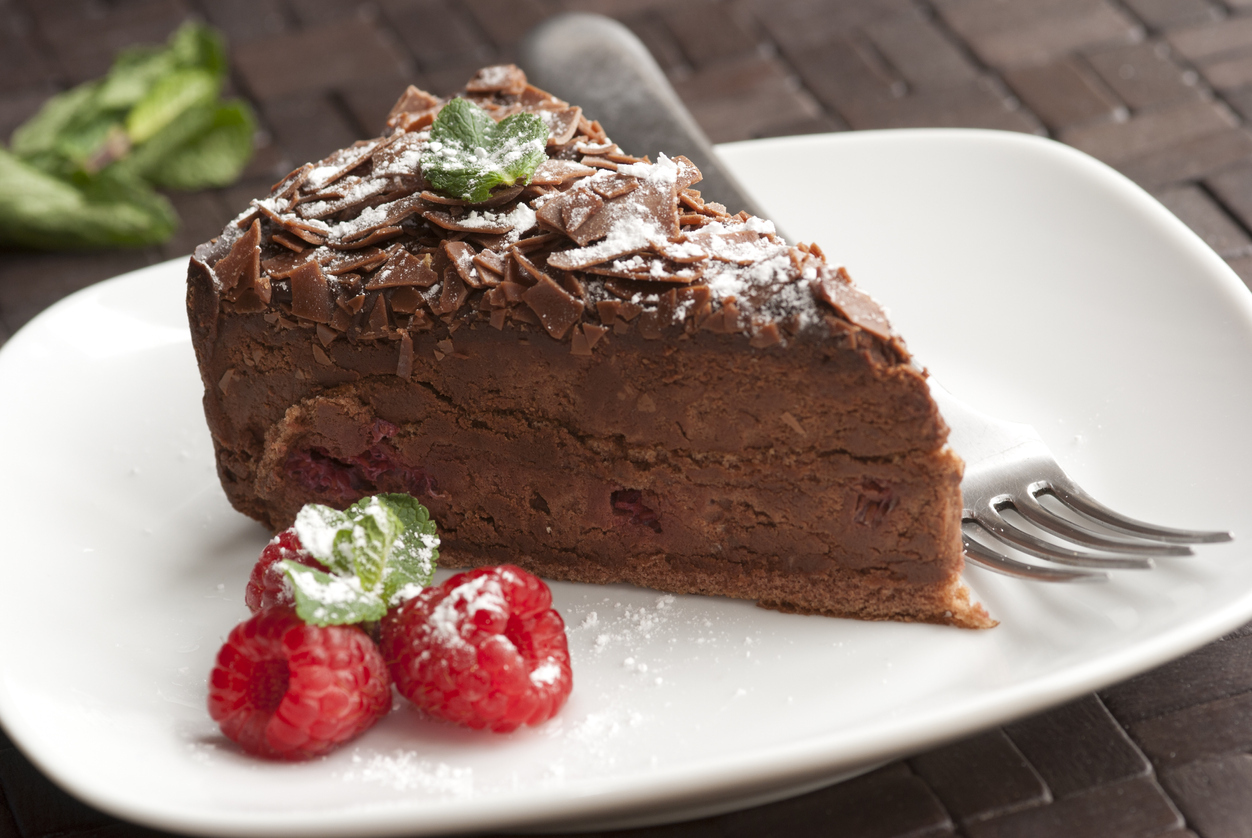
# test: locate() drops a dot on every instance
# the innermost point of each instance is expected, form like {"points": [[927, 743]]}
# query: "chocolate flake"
{"points": [[462, 257], [240, 273], [310, 293], [403, 269], [852, 303], [556, 308], [404, 364]]}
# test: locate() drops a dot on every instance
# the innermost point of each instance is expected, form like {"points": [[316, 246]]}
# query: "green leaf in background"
{"points": [[41, 211], [43, 132], [469, 153], [153, 120], [168, 99], [215, 157], [167, 143]]}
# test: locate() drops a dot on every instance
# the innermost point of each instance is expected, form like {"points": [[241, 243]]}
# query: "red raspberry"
{"points": [[484, 649], [288, 690], [268, 585]]}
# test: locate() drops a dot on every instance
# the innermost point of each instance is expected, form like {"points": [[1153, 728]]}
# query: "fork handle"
{"points": [[597, 63]]}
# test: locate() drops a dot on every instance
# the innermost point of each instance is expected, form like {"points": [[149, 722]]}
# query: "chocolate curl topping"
{"points": [[556, 308], [851, 303], [403, 268], [368, 249], [240, 273], [310, 293]]}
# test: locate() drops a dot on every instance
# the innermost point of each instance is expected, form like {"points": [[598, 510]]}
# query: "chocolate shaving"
{"points": [[380, 234], [406, 300], [555, 172], [594, 333], [533, 242], [239, 272], [645, 268], [556, 308], [472, 223], [500, 78], [404, 269], [379, 321], [398, 157], [489, 260], [342, 262], [290, 242], [452, 295], [562, 124], [462, 257], [612, 309], [384, 215], [413, 104], [852, 303], [581, 206], [404, 364], [356, 192], [765, 336], [313, 232], [616, 186], [340, 163], [286, 188], [310, 293]]}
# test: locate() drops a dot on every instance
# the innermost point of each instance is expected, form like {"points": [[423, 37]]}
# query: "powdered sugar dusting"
{"points": [[546, 673], [404, 770], [456, 612]]}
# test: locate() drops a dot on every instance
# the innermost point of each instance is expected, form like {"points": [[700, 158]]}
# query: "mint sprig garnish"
{"points": [[470, 154], [379, 552]]}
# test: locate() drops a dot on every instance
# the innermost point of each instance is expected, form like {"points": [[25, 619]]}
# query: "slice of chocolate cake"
{"points": [[578, 364]]}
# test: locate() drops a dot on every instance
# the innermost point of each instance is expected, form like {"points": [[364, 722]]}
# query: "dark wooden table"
{"points": [[1160, 89]]}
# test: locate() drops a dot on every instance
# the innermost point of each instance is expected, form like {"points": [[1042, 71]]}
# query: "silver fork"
{"points": [[600, 64], [1008, 466]]}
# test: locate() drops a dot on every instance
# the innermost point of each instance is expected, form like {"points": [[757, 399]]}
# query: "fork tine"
{"points": [[993, 523], [1029, 508], [1072, 495], [977, 554]]}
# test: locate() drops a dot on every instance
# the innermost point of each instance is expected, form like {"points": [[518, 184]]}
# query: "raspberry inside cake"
{"points": [[594, 374]]}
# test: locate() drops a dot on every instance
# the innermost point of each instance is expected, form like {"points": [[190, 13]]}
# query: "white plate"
{"points": [[1034, 282]]}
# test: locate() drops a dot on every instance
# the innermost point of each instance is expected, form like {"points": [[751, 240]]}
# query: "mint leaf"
{"points": [[414, 553], [380, 551], [374, 530], [469, 153], [323, 599], [319, 528]]}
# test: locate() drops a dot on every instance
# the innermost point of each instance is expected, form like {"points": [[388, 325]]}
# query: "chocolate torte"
{"points": [[592, 372]]}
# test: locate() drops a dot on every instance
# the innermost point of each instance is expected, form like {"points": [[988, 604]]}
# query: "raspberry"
{"points": [[287, 690], [484, 649], [268, 585]]}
